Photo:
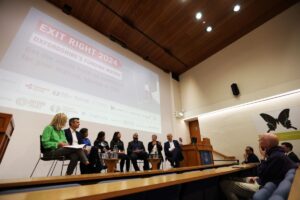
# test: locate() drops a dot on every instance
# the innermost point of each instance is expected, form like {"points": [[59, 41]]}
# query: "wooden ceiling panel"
{"points": [[166, 33]]}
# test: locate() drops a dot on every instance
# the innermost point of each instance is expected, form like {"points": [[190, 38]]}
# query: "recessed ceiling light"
{"points": [[236, 8], [209, 29], [198, 15]]}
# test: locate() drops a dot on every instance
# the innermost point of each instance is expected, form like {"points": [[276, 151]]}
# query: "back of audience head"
{"points": [[287, 146]]}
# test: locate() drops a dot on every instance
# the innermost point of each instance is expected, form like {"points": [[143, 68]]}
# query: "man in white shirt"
{"points": [[173, 151], [288, 149], [72, 135], [155, 148]]}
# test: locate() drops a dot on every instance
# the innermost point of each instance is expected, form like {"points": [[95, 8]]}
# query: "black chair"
{"points": [[54, 161]]}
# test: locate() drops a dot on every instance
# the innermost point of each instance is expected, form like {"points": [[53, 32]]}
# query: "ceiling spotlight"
{"points": [[198, 15], [208, 29], [236, 8]]}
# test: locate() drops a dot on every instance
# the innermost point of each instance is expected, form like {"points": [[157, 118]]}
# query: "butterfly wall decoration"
{"points": [[283, 119]]}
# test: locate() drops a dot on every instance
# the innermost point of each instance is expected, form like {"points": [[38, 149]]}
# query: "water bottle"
{"points": [[99, 153], [155, 155], [115, 148], [115, 152]]}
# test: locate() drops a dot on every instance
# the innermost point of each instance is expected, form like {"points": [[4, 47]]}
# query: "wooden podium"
{"points": [[199, 153], [6, 129]]}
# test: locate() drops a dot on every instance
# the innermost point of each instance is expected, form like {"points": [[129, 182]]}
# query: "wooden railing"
{"points": [[126, 187], [224, 156], [295, 189], [53, 180]]}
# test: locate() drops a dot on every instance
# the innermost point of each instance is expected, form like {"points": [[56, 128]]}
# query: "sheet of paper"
{"points": [[78, 146]]}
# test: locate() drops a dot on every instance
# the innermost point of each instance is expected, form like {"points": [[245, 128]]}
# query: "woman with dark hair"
{"points": [[92, 153], [116, 144], [101, 143]]}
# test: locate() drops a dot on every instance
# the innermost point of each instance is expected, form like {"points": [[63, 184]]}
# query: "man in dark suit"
{"points": [[135, 151], [72, 135], [173, 151], [288, 149]]}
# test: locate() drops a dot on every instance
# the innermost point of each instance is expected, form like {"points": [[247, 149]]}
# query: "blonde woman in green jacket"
{"points": [[54, 140]]}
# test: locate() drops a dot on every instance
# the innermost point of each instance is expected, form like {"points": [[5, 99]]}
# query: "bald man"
{"points": [[136, 151], [274, 165], [173, 151]]}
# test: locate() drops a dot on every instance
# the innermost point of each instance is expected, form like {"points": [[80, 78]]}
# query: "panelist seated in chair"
{"points": [[117, 144], [84, 132], [155, 148], [73, 136], [173, 151], [136, 151], [92, 153], [101, 143], [54, 142]]}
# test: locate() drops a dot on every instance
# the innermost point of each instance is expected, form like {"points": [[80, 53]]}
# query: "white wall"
{"points": [[23, 149], [263, 63], [232, 129], [180, 127]]}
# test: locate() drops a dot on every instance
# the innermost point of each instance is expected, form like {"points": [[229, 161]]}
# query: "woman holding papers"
{"points": [[55, 143]]}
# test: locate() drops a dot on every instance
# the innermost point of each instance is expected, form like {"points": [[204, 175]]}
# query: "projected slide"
{"points": [[49, 68]]}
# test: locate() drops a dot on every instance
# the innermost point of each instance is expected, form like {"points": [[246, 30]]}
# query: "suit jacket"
{"points": [[69, 136], [252, 158], [138, 145], [169, 153], [293, 157], [158, 145]]}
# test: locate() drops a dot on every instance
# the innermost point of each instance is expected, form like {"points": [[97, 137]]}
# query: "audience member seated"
{"points": [[288, 148], [54, 142], [136, 150], [84, 132], [117, 144], [273, 167], [249, 156], [173, 151], [155, 148]]}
